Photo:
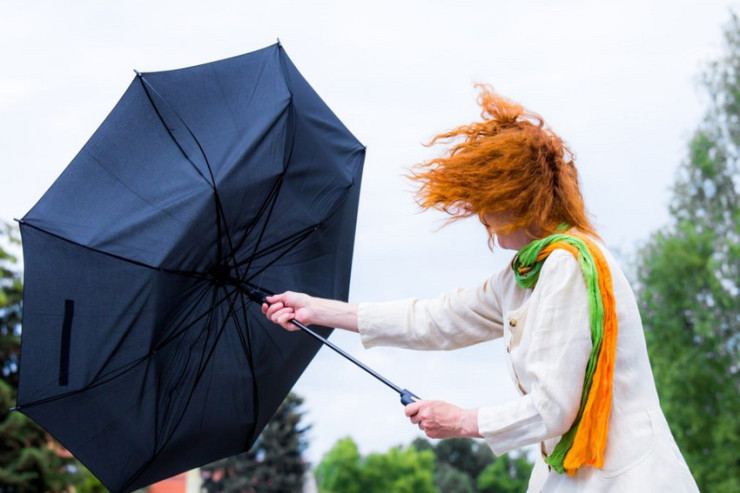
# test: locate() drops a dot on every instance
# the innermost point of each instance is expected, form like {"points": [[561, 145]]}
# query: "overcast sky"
{"points": [[617, 80]]}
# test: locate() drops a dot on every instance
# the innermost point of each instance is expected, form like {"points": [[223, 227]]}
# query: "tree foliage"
{"points": [[456, 465], [274, 463], [507, 474], [689, 287], [405, 470], [465, 455]]}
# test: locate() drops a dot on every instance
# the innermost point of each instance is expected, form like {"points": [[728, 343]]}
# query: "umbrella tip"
{"points": [[137, 73], [279, 43]]}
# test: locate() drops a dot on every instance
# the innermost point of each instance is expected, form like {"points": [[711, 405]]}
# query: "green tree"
{"points": [[274, 463], [507, 474], [400, 470], [689, 287], [462, 462], [464, 454], [449, 479], [340, 469]]}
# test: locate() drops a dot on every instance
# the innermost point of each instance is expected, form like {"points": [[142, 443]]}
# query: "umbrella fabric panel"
{"points": [[228, 105], [107, 307], [111, 196]]}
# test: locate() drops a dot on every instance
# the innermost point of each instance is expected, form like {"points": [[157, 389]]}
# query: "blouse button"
{"points": [[512, 322]]}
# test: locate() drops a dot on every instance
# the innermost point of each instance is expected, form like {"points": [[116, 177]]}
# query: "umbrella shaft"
{"points": [[257, 296], [348, 356]]}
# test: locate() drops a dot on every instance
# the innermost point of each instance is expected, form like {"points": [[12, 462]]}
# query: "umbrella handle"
{"points": [[407, 397]]}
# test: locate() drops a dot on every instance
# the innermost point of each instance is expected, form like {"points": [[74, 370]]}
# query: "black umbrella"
{"points": [[143, 351]]}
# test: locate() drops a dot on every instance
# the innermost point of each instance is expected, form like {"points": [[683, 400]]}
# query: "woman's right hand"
{"points": [[284, 307]]}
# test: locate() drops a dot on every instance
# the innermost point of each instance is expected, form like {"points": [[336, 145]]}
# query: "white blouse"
{"points": [[548, 340]]}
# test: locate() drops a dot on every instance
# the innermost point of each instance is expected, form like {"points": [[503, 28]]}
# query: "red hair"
{"points": [[511, 164]]}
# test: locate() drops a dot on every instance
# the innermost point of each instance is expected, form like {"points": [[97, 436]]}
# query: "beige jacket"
{"points": [[548, 341]]}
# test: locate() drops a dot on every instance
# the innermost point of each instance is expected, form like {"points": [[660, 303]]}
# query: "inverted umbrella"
{"points": [[143, 350]]}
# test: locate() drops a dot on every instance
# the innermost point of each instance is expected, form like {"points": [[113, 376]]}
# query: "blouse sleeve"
{"points": [[453, 320], [556, 346]]}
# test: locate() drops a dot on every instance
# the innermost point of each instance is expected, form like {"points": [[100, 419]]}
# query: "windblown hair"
{"points": [[510, 163]]}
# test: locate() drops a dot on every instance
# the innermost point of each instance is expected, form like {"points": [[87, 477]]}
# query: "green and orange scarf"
{"points": [[585, 441]]}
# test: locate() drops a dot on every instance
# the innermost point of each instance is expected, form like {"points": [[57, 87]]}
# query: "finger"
{"points": [[273, 308], [285, 316], [274, 298], [280, 312], [413, 408], [282, 315]]}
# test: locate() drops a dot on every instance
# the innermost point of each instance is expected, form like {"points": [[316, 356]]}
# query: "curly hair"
{"points": [[510, 163]]}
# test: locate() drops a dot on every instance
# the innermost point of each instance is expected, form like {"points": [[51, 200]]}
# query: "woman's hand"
{"points": [[309, 310], [287, 306], [442, 420]]}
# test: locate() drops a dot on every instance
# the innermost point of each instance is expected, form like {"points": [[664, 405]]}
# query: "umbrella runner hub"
{"points": [[221, 274]]}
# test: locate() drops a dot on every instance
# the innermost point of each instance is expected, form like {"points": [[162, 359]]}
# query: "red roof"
{"points": [[175, 484]]}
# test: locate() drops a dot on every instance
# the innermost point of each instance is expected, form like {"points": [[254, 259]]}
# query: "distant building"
{"points": [[190, 482], [187, 482]]}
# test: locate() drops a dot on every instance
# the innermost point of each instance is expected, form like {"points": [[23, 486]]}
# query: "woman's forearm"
{"points": [[287, 306], [333, 313]]}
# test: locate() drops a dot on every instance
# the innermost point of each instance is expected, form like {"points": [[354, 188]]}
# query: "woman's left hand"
{"points": [[439, 419]]}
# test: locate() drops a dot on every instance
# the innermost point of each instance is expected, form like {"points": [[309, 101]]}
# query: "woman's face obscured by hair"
{"points": [[514, 240]]}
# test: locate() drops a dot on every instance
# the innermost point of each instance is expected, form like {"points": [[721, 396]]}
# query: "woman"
{"points": [[567, 315]]}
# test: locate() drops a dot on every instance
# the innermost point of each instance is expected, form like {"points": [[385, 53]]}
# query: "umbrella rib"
{"points": [[273, 198], [112, 376], [191, 308], [270, 197], [278, 245], [220, 216], [177, 334], [266, 332], [294, 244], [184, 273], [247, 348], [205, 333], [146, 85], [262, 231], [201, 371], [314, 228]]}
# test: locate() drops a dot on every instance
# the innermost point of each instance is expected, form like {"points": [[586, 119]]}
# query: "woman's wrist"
{"points": [[469, 424], [333, 313]]}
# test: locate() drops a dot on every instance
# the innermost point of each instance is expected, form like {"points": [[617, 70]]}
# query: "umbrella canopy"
{"points": [[141, 351]]}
